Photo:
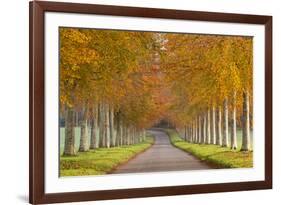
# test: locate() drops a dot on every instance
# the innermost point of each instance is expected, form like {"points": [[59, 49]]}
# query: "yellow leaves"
{"points": [[76, 55], [150, 75], [73, 35], [234, 72], [204, 69]]}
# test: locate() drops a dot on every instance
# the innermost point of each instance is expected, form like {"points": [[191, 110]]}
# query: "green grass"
{"points": [[222, 157], [239, 138], [101, 161]]}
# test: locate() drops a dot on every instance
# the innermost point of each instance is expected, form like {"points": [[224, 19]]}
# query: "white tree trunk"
{"points": [[112, 130], [133, 135], [126, 135], [96, 125], [83, 137], [196, 131], [246, 140], [213, 125], [69, 143], [218, 125], [144, 135], [233, 124], [190, 132], [225, 123], [77, 119], [124, 130], [118, 141], [185, 133], [121, 132], [102, 125], [204, 128], [199, 130], [93, 137], [208, 127], [95, 129], [107, 128], [84, 132]]}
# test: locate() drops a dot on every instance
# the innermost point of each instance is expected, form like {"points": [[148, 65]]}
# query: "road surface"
{"points": [[162, 156]]}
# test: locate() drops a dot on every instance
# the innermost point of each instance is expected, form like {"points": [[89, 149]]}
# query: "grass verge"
{"points": [[221, 157], [102, 160]]}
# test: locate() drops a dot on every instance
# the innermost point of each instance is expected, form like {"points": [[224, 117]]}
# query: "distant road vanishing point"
{"points": [[162, 156]]}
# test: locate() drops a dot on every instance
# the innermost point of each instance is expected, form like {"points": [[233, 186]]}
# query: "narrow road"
{"points": [[162, 156]]}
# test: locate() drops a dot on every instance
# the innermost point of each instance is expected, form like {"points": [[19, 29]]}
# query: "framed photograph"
{"points": [[139, 102]]}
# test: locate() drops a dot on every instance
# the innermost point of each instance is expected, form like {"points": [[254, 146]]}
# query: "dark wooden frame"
{"points": [[36, 100]]}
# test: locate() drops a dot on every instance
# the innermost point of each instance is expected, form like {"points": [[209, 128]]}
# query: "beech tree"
{"points": [[205, 74], [74, 53], [120, 83]]}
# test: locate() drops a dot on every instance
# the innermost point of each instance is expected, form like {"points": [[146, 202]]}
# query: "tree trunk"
{"points": [[112, 130], [133, 136], [218, 126], [213, 125], [77, 119], [102, 125], [69, 143], [127, 136], [233, 123], [117, 123], [84, 133], [196, 131], [121, 132], [225, 123], [246, 141], [124, 129], [204, 128], [107, 128], [185, 134], [193, 131], [95, 129], [144, 135], [199, 130], [137, 136], [93, 137], [208, 127]]}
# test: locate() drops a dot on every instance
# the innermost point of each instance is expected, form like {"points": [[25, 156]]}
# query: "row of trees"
{"points": [[109, 78], [122, 83], [211, 83]]}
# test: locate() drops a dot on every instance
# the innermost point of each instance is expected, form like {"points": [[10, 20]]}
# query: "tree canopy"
{"points": [[138, 79]]}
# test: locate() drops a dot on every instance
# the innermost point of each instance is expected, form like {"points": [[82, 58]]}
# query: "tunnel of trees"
{"points": [[117, 84]]}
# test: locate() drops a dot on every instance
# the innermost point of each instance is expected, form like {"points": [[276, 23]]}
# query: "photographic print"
{"points": [[137, 101], [130, 102]]}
